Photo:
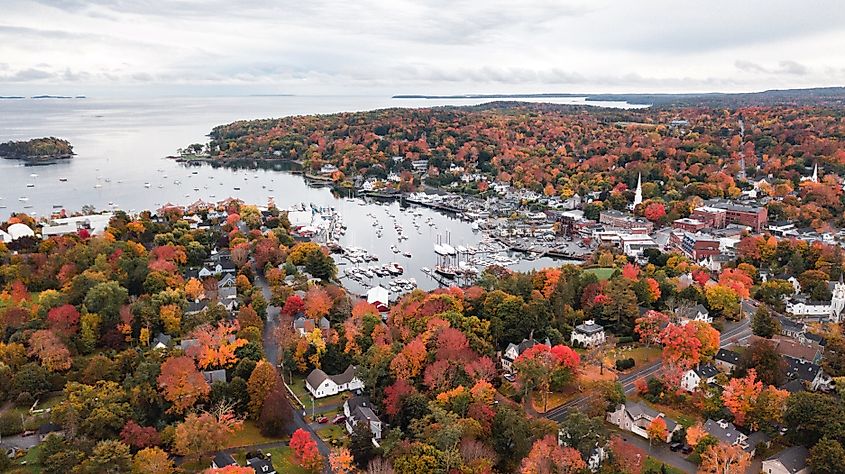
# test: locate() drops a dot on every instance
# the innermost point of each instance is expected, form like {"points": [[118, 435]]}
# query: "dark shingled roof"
{"points": [[223, 459], [793, 459], [729, 356]]}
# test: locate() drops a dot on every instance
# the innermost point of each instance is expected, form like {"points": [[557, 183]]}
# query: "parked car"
{"points": [[675, 446], [686, 449], [509, 377], [322, 420], [338, 419]]}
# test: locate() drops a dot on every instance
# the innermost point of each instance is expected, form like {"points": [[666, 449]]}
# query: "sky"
{"points": [[364, 47]]}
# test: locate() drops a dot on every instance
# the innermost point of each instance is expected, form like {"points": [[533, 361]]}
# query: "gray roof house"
{"points": [[359, 410], [322, 385], [728, 434], [693, 378], [636, 417], [791, 460], [223, 459], [212, 376], [726, 360]]}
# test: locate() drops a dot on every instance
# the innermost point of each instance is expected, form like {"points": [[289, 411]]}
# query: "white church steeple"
{"points": [[638, 194]]}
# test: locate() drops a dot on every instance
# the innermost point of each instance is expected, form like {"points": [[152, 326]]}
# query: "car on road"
{"points": [[675, 446], [338, 419], [322, 420], [687, 449]]}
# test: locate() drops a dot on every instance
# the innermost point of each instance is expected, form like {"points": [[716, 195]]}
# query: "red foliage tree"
{"points": [[293, 305], [305, 452], [681, 346], [138, 436], [63, 320]]}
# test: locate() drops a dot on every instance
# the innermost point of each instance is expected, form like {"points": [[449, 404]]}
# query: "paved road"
{"points": [[271, 352], [734, 332]]}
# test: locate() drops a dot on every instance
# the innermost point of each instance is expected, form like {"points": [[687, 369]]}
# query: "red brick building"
{"points": [[710, 216], [755, 217], [689, 225], [621, 220], [694, 246]]}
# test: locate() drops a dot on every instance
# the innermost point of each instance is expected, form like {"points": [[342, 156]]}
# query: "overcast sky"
{"points": [[112, 47]]}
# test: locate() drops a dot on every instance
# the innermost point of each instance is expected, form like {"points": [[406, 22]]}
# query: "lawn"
{"points": [[556, 399], [282, 458], [329, 432], [31, 465], [642, 355], [249, 435], [653, 466], [601, 273], [686, 416]]}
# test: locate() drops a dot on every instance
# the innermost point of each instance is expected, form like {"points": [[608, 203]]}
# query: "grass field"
{"points": [[653, 466], [282, 460], [330, 433], [249, 435], [31, 465], [642, 356], [601, 273]]}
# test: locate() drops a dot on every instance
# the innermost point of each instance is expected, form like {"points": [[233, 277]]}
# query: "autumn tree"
{"points": [[194, 289], [293, 304], [171, 318], [547, 456], [317, 302], [305, 452], [262, 381], [681, 346], [541, 366], [276, 413], [183, 385], [649, 326], [50, 350], [827, 457], [341, 461], [216, 345], [410, 361], [138, 436], [709, 337], [204, 432], [63, 320], [723, 459], [657, 430], [152, 461], [695, 434], [740, 396]]}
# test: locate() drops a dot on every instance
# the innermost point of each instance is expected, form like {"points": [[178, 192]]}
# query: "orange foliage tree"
{"points": [[740, 396], [723, 459], [183, 385], [547, 456], [317, 302], [50, 350], [305, 452], [216, 345], [681, 346]]}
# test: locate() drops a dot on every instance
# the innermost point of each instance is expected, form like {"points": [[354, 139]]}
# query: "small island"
{"points": [[38, 151]]}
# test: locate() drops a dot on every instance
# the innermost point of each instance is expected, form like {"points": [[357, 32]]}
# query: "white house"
{"points": [[514, 350], [693, 313], [693, 378], [94, 224], [18, 231], [588, 334], [791, 460], [636, 417], [322, 385], [360, 410], [379, 297], [5, 237]]}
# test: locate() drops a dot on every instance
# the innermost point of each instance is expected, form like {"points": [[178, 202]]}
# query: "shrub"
{"points": [[625, 364], [10, 423]]}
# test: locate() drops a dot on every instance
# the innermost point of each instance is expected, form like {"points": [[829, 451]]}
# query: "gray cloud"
{"points": [[424, 45]]}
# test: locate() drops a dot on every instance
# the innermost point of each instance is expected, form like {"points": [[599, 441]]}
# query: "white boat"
{"points": [[23, 199], [98, 186], [30, 185], [407, 254], [63, 180], [147, 185]]}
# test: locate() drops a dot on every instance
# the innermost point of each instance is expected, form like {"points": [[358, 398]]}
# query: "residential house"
{"points": [[726, 433], [186, 344], [791, 460], [803, 349], [212, 376], [228, 281], [588, 334], [305, 325], [379, 297], [322, 385], [223, 459], [514, 350], [693, 313], [228, 297], [809, 373], [261, 465], [726, 360], [636, 417], [702, 373], [195, 307], [359, 410], [161, 341]]}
